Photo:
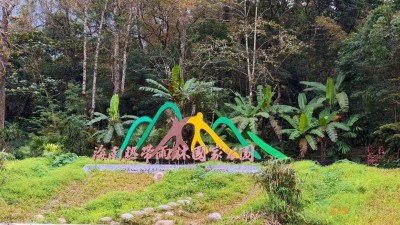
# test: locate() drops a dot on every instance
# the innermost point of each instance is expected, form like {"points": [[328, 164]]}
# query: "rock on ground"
{"points": [[169, 214], [184, 202], [39, 217], [127, 216], [165, 222], [138, 213], [214, 217], [62, 220], [164, 207], [148, 210], [200, 195], [158, 176], [106, 219]]}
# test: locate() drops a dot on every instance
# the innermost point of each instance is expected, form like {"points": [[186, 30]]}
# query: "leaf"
{"points": [[290, 121], [243, 124], [177, 79], [129, 117], [114, 104], [343, 101], [315, 86], [332, 134], [108, 136], [267, 98], [118, 129], [263, 114], [95, 120], [340, 126], [330, 91], [294, 135], [317, 132], [311, 141], [302, 100], [303, 123]]}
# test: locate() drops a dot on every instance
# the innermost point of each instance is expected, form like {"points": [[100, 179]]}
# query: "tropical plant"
{"points": [[246, 115], [332, 93], [388, 135], [179, 91], [279, 181], [304, 129], [328, 124], [115, 130]]}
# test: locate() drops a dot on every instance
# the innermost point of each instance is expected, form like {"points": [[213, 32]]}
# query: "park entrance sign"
{"points": [[180, 150]]}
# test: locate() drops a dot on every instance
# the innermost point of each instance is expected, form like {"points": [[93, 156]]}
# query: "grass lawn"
{"points": [[343, 193]]}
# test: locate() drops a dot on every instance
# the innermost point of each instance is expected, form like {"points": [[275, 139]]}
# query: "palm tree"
{"points": [[179, 91]]}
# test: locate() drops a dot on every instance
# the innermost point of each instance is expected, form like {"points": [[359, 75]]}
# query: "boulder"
{"points": [[106, 219], [165, 222], [148, 210], [200, 195], [169, 213], [214, 217], [127, 216], [138, 213], [164, 207]]}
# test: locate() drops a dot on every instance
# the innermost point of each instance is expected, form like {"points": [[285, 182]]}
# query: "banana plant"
{"points": [[304, 129], [246, 115], [115, 122], [332, 93], [328, 124]]}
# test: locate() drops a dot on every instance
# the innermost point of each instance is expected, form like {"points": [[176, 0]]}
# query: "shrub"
{"points": [[279, 181], [64, 159]]}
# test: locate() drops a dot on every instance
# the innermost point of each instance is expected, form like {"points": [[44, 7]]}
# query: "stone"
{"points": [[39, 217], [183, 202], [158, 176], [180, 212], [173, 204], [164, 207], [189, 198], [169, 214], [114, 223], [62, 220], [138, 213], [127, 216], [158, 216], [214, 217], [200, 195], [165, 222], [106, 219], [148, 210]]}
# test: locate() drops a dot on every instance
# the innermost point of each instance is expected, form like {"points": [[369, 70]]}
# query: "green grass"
{"points": [[343, 193]]}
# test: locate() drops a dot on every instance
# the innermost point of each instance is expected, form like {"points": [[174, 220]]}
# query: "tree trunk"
{"points": [[6, 10], [126, 43], [84, 75], [116, 48], [96, 61], [183, 42]]}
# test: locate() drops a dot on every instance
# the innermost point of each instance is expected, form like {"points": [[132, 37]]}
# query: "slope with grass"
{"points": [[343, 193]]}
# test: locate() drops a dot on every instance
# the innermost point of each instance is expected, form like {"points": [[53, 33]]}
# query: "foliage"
{"points": [[115, 130], [183, 93], [389, 136], [64, 159], [246, 114], [279, 181]]}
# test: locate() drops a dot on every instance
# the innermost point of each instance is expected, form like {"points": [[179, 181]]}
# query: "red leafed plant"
{"points": [[375, 159]]}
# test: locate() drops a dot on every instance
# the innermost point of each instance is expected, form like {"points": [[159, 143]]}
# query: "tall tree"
{"points": [[7, 7], [96, 59], [84, 74]]}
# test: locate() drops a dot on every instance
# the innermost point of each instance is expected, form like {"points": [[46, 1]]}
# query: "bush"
{"points": [[64, 159], [279, 181]]}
